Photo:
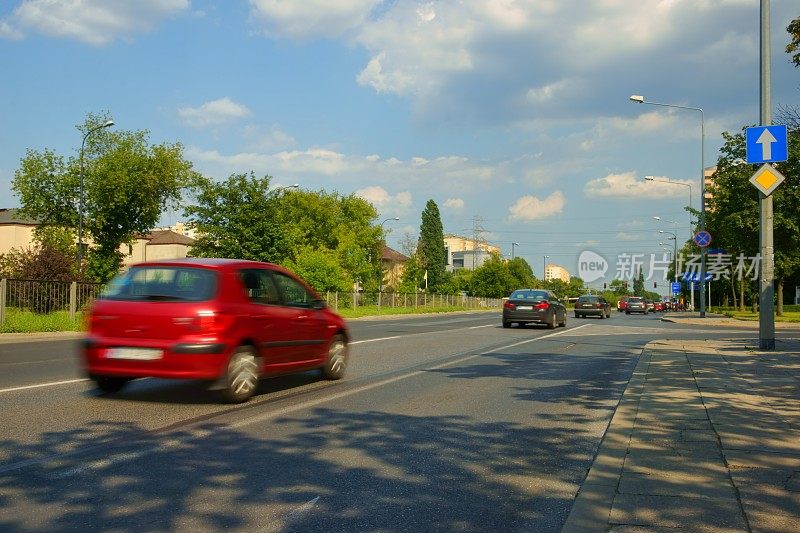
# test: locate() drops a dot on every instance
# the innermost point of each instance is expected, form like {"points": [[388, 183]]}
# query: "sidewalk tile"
{"points": [[691, 514], [687, 484]]}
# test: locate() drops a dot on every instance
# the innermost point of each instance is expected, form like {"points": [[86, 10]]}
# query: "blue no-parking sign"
{"points": [[676, 287]]}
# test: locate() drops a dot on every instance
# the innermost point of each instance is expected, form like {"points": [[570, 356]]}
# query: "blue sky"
{"points": [[515, 112]]}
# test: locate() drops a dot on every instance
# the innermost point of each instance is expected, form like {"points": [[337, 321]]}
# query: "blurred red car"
{"points": [[622, 303], [222, 320]]}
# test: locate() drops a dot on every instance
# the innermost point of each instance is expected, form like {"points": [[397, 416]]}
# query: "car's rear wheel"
{"points": [[577, 315], [552, 323], [110, 384], [336, 363], [563, 323], [241, 377]]}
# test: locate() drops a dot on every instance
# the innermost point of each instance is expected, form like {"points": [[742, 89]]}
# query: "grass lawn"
{"points": [[788, 316], [19, 321]]}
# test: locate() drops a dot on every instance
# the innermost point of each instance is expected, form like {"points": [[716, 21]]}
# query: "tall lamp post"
{"points": [[513, 244], [651, 178], [279, 189], [106, 124], [380, 267], [544, 266], [639, 99]]}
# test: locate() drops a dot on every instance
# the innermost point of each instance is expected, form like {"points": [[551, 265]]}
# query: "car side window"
{"points": [[260, 286], [294, 294]]}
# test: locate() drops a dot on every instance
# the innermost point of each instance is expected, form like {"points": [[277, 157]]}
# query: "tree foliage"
{"points": [[793, 48], [244, 218], [236, 218], [734, 212], [127, 183], [431, 249]]}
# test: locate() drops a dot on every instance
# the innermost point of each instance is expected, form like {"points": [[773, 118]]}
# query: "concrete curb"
{"points": [[592, 506], [10, 338]]}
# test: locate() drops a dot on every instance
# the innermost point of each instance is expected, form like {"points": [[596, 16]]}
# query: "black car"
{"points": [[636, 305], [592, 306], [534, 306]]}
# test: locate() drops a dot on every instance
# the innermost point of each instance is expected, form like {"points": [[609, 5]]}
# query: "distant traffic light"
{"points": [[655, 285]]}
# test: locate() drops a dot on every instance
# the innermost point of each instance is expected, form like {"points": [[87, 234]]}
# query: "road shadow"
{"points": [[330, 470]]}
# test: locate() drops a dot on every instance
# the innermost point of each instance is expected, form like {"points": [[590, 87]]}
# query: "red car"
{"points": [[222, 320], [622, 303]]}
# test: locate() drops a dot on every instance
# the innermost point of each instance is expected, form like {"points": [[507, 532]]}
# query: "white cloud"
{"points": [[622, 236], [532, 208], [7, 31], [456, 204], [96, 22], [268, 139], [213, 113], [385, 202], [437, 175], [310, 18], [626, 185]]}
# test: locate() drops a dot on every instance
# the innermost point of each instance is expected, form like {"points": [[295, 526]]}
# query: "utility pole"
{"points": [[766, 308]]}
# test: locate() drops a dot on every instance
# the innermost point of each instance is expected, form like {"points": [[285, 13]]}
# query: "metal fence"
{"points": [[420, 300], [45, 297]]}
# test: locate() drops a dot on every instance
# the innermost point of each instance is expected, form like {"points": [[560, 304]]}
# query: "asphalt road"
{"points": [[444, 423]]}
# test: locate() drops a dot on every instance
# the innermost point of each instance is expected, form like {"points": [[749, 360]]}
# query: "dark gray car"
{"points": [[534, 306], [636, 305], [592, 306]]}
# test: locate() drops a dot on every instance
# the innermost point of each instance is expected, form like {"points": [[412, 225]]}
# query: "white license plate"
{"points": [[141, 354], [524, 307]]}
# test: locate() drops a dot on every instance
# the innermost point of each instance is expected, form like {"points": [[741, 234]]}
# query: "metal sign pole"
{"points": [[766, 308]]}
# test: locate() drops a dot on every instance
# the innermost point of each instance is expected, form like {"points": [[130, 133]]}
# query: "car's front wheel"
{"points": [[336, 363], [241, 376]]}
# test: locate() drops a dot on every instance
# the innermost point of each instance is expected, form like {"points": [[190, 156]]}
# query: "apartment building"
{"points": [[463, 252], [553, 271]]}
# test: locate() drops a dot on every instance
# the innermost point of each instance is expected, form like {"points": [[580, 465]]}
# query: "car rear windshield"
{"points": [[588, 299], [528, 295], [635, 300], [162, 284]]}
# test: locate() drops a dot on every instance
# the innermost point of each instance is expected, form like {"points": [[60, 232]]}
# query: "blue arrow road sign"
{"points": [[767, 144], [676, 287]]}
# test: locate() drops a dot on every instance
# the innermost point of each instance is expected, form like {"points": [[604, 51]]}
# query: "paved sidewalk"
{"points": [[705, 438], [712, 319]]}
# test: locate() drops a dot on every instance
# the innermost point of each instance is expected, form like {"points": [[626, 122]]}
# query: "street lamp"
{"points": [[380, 266], [639, 99], [279, 189], [106, 124], [651, 178], [513, 244], [544, 266]]}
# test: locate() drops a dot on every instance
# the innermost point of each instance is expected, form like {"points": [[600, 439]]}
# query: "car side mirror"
{"points": [[318, 304]]}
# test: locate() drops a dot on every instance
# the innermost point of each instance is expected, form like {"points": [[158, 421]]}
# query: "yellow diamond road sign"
{"points": [[766, 179]]}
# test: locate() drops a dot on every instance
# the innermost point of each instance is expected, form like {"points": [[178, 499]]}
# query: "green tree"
{"points": [[734, 213], [431, 249], [521, 273], [793, 48], [321, 269], [236, 218], [127, 184], [493, 279], [638, 284], [342, 224]]}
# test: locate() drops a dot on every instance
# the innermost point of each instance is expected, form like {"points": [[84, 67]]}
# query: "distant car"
{"points": [[590, 305], [226, 321], [659, 307], [636, 305], [534, 306], [622, 303]]}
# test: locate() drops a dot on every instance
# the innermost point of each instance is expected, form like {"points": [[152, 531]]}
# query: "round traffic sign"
{"points": [[702, 238]]}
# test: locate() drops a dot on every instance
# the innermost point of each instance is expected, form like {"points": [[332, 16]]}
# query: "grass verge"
{"points": [[22, 321], [788, 316]]}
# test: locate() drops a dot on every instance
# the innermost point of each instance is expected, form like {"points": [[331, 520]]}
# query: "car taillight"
{"points": [[543, 305], [211, 322], [599, 306], [509, 305]]}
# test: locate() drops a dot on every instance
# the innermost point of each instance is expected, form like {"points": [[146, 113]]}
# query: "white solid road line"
{"points": [[38, 385]]}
